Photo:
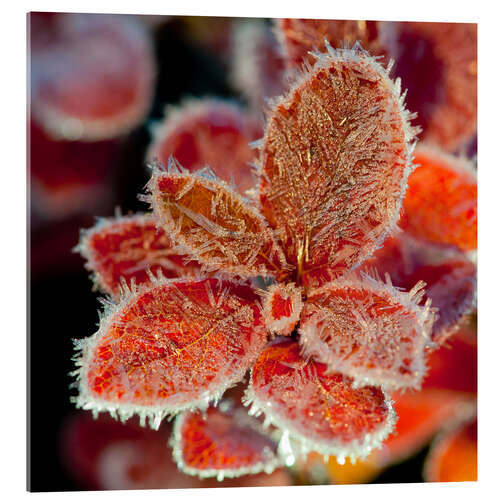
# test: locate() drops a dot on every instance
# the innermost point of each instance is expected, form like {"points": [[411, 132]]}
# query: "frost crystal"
{"points": [[368, 330], [216, 224], [282, 305], [335, 160], [176, 345], [319, 411]]}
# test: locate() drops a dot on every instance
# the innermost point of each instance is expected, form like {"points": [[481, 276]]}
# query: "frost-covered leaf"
{"points": [[222, 442], [453, 455], [175, 345], [219, 227], [258, 65], [335, 159], [316, 410], [282, 305], [449, 275], [92, 76], [208, 132], [129, 247], [368, 330], [437, 63], [441, 202], [298, 37]]}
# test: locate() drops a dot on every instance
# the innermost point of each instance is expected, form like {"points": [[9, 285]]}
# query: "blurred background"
{"points": [[87, 156]]}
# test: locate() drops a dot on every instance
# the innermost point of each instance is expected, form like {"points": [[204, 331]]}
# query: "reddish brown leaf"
{"points": [[301, 36], [441, 203], [175, 345], [216, 224], [368, 330], [335, 160], [127, 248], [208, 132], [222, 442], [317, 410]]}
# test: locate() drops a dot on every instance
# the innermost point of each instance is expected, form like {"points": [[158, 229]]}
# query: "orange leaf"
{"points": [[453, 457], [222, 442], [215, 223], [441, 203]]}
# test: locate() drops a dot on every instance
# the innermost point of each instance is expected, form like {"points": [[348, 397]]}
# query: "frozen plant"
{"points": [[214, 284]]}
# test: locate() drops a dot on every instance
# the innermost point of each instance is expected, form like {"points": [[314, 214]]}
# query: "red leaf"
{"points": [[335, 160], [93, 79], [129, 247], [368, 330], [282, 306], [441, 203], [301, 36], [222, 442], [319, 411], [208, 132], [453, 456], [176, 345], [216, 224]]}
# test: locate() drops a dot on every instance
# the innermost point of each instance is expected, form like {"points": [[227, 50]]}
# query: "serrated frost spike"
{"points": [[336, 158], [371, 331], [300, 38], [216, 224], [282, 304], [209, 132], [127, 250], [165, 348], [223, 443], [320, 412], [441, 201]]}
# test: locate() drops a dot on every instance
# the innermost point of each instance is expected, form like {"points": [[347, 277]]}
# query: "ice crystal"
{"points": [[216, 224], [323, 412], [370, 331]]}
